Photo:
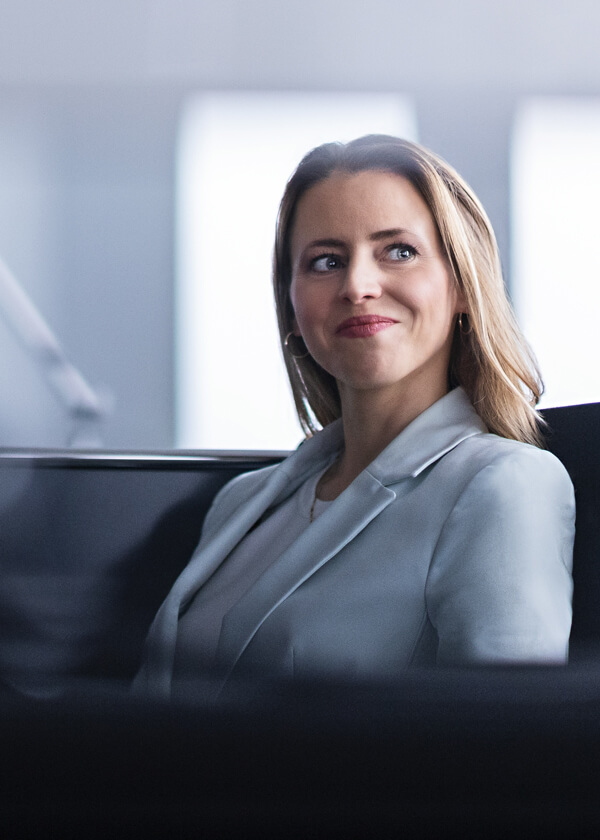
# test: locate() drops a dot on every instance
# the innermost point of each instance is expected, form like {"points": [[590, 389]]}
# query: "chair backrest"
{"points": [[89, 547], [574, 437]]}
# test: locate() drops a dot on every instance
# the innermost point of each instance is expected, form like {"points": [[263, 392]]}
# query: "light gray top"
{"points": [[454, 546]]}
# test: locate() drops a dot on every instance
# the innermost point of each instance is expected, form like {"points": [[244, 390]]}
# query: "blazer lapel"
{"points": [[358, 505], [278, 485]]}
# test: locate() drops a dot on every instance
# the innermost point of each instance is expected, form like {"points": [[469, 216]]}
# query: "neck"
{"points": [[371, 420]]}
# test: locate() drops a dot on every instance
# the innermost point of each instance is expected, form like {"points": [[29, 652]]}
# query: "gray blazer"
{"points": [[454, 547]]}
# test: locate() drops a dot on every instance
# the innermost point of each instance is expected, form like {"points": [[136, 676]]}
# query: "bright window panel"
{"points": [[556, 183], [236, 153]]}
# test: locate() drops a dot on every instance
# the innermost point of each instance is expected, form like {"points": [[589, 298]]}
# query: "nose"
{"points": [[360, 280]]}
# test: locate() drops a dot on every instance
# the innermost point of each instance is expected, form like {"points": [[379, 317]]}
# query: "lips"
{"points": [[363, 326]]}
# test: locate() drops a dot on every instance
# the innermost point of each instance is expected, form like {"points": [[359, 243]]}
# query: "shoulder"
{"points": [[243, 486], [506, 465], [488, 482], [299, 464], [513, 498], [234, 494]]}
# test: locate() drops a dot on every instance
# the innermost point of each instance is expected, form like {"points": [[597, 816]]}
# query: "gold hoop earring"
{"points": [[460, 324], [286, 344]]}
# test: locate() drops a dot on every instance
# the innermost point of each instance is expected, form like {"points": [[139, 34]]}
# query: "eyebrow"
{"points": [[326, 243], [374, 237], [388, 234]]}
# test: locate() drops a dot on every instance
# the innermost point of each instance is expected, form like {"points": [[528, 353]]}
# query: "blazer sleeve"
{"points": [[499, 587]]}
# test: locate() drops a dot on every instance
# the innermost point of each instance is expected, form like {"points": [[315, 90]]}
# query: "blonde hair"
{"points": [[490, 358]]}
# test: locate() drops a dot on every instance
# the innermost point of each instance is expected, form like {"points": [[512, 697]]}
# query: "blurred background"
{"points": [[144, 145]]}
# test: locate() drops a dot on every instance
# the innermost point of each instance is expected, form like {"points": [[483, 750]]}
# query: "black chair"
{"points": [[574, 437]]}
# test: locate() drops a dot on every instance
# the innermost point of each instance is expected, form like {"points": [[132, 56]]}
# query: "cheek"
{"points": [[305, 323], [307, 305], [441, 301]]}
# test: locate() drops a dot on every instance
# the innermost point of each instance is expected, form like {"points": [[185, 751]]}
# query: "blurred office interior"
{"points": [[127, 129]]}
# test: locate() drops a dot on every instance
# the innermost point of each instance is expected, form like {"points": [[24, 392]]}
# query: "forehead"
{"points": [[355, 204]]}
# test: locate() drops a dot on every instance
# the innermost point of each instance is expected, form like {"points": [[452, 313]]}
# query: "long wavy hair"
{"points": [[490, 357]]}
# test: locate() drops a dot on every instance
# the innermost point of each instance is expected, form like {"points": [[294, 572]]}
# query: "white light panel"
{"points": [[555, 187]]}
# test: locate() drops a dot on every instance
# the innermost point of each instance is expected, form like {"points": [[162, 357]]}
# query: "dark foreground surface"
{"points": [[489, 753]]}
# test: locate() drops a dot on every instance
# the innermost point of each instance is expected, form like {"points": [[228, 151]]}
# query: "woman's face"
{"points": [[373, 294]]}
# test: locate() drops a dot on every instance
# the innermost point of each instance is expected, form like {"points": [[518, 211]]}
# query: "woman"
{"points": [[422, 524]]}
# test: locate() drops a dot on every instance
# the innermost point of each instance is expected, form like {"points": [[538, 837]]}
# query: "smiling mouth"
{"points": [[363, 326]]}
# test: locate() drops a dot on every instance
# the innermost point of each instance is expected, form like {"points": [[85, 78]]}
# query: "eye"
{"points": [[326, 262], [401, 253]]}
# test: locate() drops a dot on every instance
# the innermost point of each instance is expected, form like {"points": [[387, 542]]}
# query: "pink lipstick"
{"points": [[363, 326]]}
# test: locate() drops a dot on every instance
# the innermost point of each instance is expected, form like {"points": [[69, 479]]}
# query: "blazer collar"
{"points": [[431, 435], [311, 456]]}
